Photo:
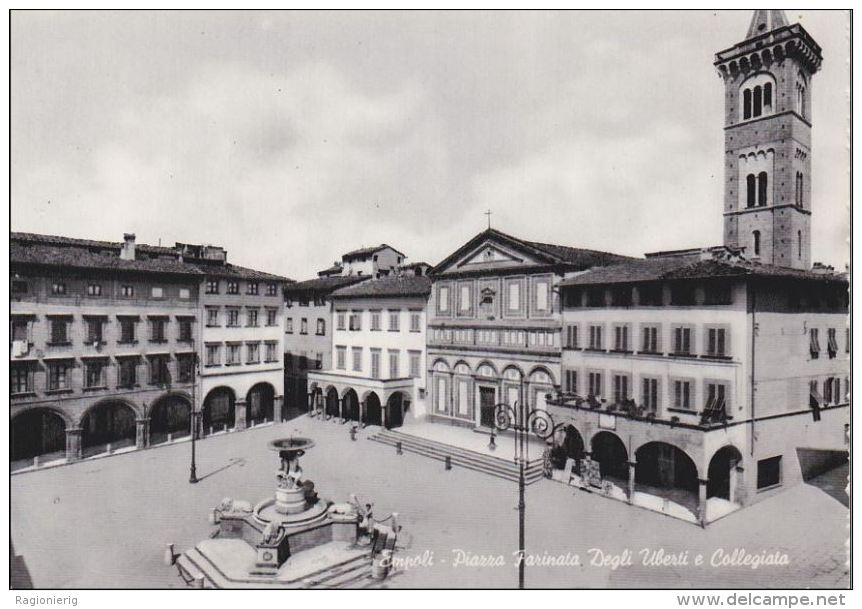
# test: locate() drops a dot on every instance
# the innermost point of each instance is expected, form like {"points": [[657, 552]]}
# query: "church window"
{"points": [[762, 181], [750, 182], [799, 244], [757, 109], [767, 96], [746, 104], [756, 236]]}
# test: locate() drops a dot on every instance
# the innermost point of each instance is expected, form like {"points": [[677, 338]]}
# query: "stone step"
{"points": [[333, 577], [487, 464]]}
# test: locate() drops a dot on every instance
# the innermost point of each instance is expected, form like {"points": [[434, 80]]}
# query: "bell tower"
{"points": [[767, 140]]}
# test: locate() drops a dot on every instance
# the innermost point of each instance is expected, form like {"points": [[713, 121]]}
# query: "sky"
{"points": [[290, 138]]}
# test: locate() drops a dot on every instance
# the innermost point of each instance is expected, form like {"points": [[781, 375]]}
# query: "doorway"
{"points": [[487, 397]]}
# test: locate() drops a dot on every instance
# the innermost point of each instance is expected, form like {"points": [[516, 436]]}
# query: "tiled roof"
{"points": [[655, 269], [365, 251], [393, 285], [324, 285], [56, 250], [335, 268], [83, 258], [571, 257]]}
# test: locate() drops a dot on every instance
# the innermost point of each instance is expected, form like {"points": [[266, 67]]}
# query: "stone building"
{"points": [[494, 325], [377, 376], [108, 346]]}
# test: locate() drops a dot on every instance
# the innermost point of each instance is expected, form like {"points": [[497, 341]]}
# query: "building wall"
{"points": [[311, 345]]}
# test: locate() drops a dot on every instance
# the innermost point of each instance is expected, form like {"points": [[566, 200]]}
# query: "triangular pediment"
{"points": [[490, 252]]}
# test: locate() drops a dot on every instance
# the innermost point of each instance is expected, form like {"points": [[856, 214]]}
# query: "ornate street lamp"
{"points": [[523, 421], [194, 416]]}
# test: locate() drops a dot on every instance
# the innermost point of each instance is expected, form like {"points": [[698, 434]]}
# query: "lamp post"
{"points": [[523, 421], [193, 422]]}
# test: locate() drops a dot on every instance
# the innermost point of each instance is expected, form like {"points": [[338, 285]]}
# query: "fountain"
{"points": [[293, 539]]}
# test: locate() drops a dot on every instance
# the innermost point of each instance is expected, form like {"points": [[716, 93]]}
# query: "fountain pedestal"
{"points": [[290, 501]]}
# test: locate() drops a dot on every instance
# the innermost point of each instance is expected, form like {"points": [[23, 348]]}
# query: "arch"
{"points": [[219, 409], [38, 431], [762, 189], [170, 414], [260, 403], [440, 365], [373, 409], [666, 466], [68, 419], [463, 368], [137, 410], [608, 449], [109, 421], [331, 404], [573, 443], [350, 404], [542, 369], [513, 372], [721, 473], [757, 95]]}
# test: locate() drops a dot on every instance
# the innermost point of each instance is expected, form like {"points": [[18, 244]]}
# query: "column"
{"points": [[384, 413], [631, 493], [701, 501], [73, 443], [277, 407], [341, 409], [142, 433], [732, 480], [239, 415], [362, 414]]}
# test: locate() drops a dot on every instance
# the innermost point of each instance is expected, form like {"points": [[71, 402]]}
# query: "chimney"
{"points": [[127, 252]]}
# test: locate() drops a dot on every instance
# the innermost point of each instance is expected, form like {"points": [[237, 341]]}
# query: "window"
{"points": [[375, 321], [394, 364], [185, 330], [233, 287], [303, 362], [58, 288], [572, 338], [303, 325], [251, 316], [651, 295], [252, 353], [212, 286], [341, 320], [318, 361], [94, 374], [415, 364], [356, 353], [682, 294], [303, 301], [271, 351], [94, 330], [799, 185], [649, 394], [128, 372], [157, 329], [756, 237], [213, 355], [185, 294], [595, 337], [271, 289], [750, 190], [746, 104], [212, 317], [621, 388], [321, 327], [443, 299], [251, 288], [233, 354], [814, 342], [19, 379], [19, 287], [682, 395], [814, 399], [595, 384], [159, 373], [60, 331], [58, 376], [157, 292], [465, 302], [288, 325], [716, 342], [621, 338], [716, 405], [571, 381], [596, 297], [649, 339], [682, 340], [718, 293], [799, 244], [355, 321], [233, 318], [542, 296], [341, 357], [762, 189], [128, 291], [185, 368], [574, 297], [271, 317], [827, 391], [94, 289], [769, 472], [19, 329], [375, 363], [621, 296], [415, 321], [394, 321], [831, 343]]}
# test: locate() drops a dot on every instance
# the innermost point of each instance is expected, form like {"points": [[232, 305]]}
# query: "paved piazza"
{"points": [[105, 522]]}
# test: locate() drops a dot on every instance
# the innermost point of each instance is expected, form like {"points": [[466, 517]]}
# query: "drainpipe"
{"points": [[753, 294]]}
